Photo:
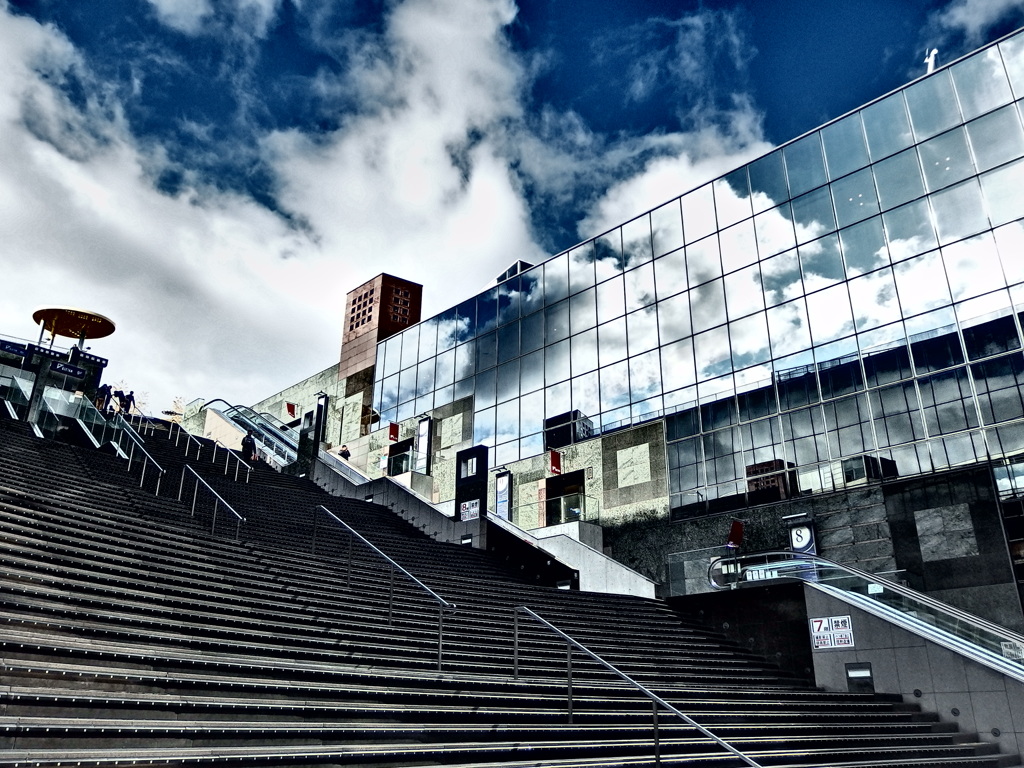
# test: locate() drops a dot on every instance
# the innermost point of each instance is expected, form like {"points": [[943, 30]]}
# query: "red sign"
{"points": [[735, 535], [555, 463], [393, 432]]}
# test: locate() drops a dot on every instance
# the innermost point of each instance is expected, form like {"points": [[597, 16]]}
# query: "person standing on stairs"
{"points": [[249, 447]]}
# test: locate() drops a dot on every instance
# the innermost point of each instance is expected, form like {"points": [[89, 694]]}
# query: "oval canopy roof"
{"points": [[74, 323]]}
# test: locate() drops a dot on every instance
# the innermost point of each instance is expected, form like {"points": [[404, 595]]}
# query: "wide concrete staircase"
{"points": [[132, 635]]}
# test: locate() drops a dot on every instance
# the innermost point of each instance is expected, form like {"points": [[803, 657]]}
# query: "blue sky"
{"points": [[214, 175]]}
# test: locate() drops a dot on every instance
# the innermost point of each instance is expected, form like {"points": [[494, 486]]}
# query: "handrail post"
{"points": [[440, 633], [159, 479], [181, 484], [216, 504], [348, 578], [316, 528], [391, 595], [145, 463], [657, 743], [195, 494], [515, 643], [568, 677]]}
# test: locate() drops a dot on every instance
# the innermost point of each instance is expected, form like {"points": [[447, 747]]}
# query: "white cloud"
{"points": [[186, 16], [973, 18]]}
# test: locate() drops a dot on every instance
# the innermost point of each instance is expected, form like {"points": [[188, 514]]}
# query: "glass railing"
{"points": [[958, 630], [556, 510], [16, 388]]}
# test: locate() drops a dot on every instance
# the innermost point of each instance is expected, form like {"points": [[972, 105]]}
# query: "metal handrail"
{"points": [[190, 439], [656, 700], [218, 499], [227, 461], [442, 604], [137, 442]]}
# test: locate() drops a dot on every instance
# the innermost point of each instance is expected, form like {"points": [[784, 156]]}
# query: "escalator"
{"points": [[963, 633]]}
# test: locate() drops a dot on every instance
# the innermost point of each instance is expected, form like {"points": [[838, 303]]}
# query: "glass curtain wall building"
{"points": [[849, 305]]}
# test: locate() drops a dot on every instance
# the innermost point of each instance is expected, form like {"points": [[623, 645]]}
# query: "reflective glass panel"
{"points": [[743, 292], [466, 320], [1002, 188], [531, 285], [508, 342], [636, 241], [899, 179], [946, 159], [804, 164], [487, 311], [780, 276], [932, 105], [993, 337], [768, 185], [933, 353], [465, 360], [445, 368], [556, 322], [531, 410], [392, 355], [586, 395], [822, 263], [486, 351], [739, 246], [887, 126], [644, 376], [531, 335], [874, 301], [425, 378], [981, 83], [583, 310], [845, 150], [639, 287], [556, 279], [532, 371], [509, 294], [667, 228], [670, 274], [864, 248], [611, 299], [485, 392], [959, 211], [1010, 244], [855, 198], [483, 427], [584, 352], [674, 317], [677, 366], [407, 385], [909, 230], [749, 340], [608, 255], [921, 283], [447, 330], [507, 416], [813, 215], [830, 314], [698, 214], [1013, 57], [712, 353], [996, 138], [732, 197], [972, 267], [788, 328], [702, 261], [410, 346], [556, 362], [614, 386], [707, 305], [611, 341], [774, 230], [428, 339], [508, 381], [581, 267], [642, 329]]}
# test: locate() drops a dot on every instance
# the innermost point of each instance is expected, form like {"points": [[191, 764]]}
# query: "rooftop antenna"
{"points": [[930, 60]]}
